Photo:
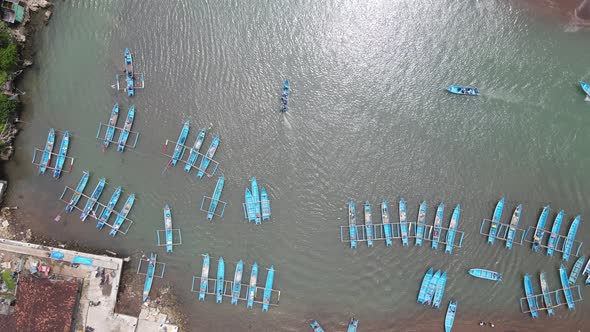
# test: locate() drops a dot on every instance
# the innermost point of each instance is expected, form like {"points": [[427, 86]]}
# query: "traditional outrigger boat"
{"points": [[179, 148], [586, 87], [204, 284], [352, 223], [432, 287], [316, 326], [386, 223], [420, 223], [168, 227], [110, 132], [569, 241], [540, 230], [353, 325], [554, 234], [587, 272], [256, 197], [576, 270], [437, 225], [107, 210], [546, 294], [368, 224], [149, 278], [47, 152], [268, 288], [216, 197], [453, 229], [194, 154], [122, 215], [403, 221], [463, 90], [252, 286], [206, 160], [530, 297], [440, 291], [91, 201], [61, 157], [569, 298], [450, 317], [237, 286], [129, 73], [486, 274], [78, 193], [496, 221], [424, 286], [285, 96], [124, 136], [264, 204], [513, 225], [219, 290], [250, 208]]}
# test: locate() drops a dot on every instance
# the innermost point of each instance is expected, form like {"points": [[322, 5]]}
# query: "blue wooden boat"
{"points": [[546, 294], [386, 223], [403, 221], [264, 204], [586, 87], [352, 223], [91, 201], [463, 90], [252, 285], [513, 226], [124, 136], [219, 284], [256, 201], [316, 326], [571, 236], [107, 210], [237, 286], [437, 225], [424, 286], [440, 291], [121, 216], [496, 221], [206, 160], [569, 298], [540, 230], [194, 154], [420, 223], [129, 74], [450, 317], [432, 287], [47, 152], [531, 299], [110, 132], [285, 96], [553, 239], [78, 193], [486, 274], [204, 284], [368, 224], [453, 229], [147, 286], [215, 198], [268, 288], [179, 148], [250, 208], [168, 227], [587, 272], [353, 325], [61, 157], [576, 270]]}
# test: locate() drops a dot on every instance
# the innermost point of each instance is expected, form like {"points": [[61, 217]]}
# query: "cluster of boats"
{"points": [[549, 299], [257, 205], [46, 157], [111, 128], [432, 288], [352, 325], [194, 153]]}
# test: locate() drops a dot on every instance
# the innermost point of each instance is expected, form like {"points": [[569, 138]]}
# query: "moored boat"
{"points": [[424, 286], [122, 216], [206, 160], [147, 286], [264, 204], [204, 284], [453, 229], [403, 221], [216, 197], [576, 270], [168, 227], [554, 237], [586, 87], [513, 226], [47, 152], [93, 199], [437, 225], [179, 148], [569, 298], [386, 223], [486, 274], [316, 326], [256, 197], [569, 240], [252, 285], [286, 91], [78, 193], [530, 297], [463, 90], [540, 230], [268, 288], [353, 325], [61, 157], [587, 272], [107, 210], [250, 208], [496, 221], [194, 153], [450, 317], [352, 223], [368, 224], [110, 131], [432, 287], [129, 73], [546, 294], [124, 136], [440, 291], [237, 285], [420, 223], [220, 283]]}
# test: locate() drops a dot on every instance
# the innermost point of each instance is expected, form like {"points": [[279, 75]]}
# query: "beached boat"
{"points": [[386, 223], [352, 223], [403, 221], [147, 286], [179, 148], [204, 284], [122, 216], [368, 224], [107, 210], [353, 325], [219, 284], [47, 152], [252, 285], [531, 299], [569, 240], [168, 227], [513, 226], [463, 90], [453, 229], [285, 96], [237, 285], [496, 221], [432, 287], [554, 238], [250, 208], [268, 288], [546, 294], [450, 317], [194, 154], [440, 291], [316, 326], [61, 157], [78, 193], [206, 160], [424, 286], [264, 204], [216, 197], [586, 87], [420, 223], [129, 73], [256, 201], [569, 298], [124, 136], [576, 270], [437, 225], [111, 127], [486, 274], [540, 230], [93, 199]]}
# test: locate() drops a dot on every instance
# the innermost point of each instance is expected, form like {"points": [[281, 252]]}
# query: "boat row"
{"points": [[257, 204], [194, 153], [509, 233], [553, 241], [111, 129], [47, 154], [432, 288], [352, 325], [548, 300]]}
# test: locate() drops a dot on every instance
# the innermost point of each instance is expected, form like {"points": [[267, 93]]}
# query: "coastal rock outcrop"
{"points": [[583, 10]]}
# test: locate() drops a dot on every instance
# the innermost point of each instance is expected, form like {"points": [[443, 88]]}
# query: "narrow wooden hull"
{"points": [[496, 218], [61, 158], [554, 237], [79, 189], [420, 223], [513, 226], [179, 148], [540, 230], [453, 229], [107, 211]]}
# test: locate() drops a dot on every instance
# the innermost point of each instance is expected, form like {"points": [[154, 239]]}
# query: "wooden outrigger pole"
{"points": [[117, 133], [210, 171], [502, 232], [41, 151]]}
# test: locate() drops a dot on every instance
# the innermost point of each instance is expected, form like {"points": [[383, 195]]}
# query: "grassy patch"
{"points": [[7, 279]]}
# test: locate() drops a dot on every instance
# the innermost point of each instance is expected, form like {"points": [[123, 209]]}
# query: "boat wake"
{"points": [[286, 122], [587, 98]]}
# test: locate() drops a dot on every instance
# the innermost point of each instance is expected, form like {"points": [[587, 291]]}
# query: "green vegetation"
{"points": [[8, 63], [7, 279]]}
